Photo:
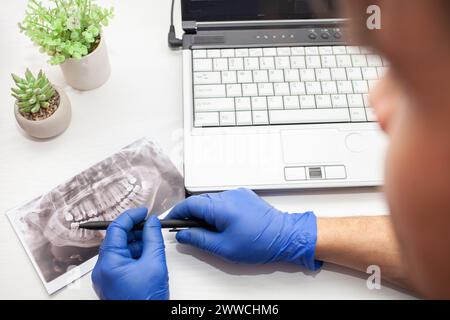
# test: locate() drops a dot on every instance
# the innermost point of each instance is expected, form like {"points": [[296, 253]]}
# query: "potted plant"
{"points": [[70, 32], [42, 110]]}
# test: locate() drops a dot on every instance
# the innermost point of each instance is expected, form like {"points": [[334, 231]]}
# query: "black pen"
{"points": [[173, 225]]}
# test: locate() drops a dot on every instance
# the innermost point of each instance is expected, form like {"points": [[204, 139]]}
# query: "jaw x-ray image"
{"points": [[139, 175]]}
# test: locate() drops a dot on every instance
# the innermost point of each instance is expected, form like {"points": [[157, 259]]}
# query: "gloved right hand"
{"points": [[249, 230]]}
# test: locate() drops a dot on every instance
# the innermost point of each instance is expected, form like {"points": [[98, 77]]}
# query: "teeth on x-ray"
{"points": [[112, 202], [74, 225], [69, 217], [112, 195]]}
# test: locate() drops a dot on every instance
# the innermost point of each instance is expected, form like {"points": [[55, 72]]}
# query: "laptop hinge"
{"points": [[190, 27]]}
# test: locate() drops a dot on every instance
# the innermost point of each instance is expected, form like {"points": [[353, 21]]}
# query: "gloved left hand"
{"points": [[132, 264]]}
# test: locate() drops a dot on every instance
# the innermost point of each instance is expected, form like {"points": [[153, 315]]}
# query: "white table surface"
{"points": [[143, 98]]}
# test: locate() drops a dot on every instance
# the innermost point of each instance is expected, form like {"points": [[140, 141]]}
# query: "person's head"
{"points": [[412, 103]]}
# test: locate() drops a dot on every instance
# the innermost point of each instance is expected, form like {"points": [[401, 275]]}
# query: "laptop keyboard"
{"points": [[284, 85]]}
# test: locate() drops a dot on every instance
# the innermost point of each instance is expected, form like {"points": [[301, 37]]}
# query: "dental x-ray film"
{"points": [[139, 175]]}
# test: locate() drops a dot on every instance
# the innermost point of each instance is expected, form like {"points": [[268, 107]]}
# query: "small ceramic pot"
{"points": [[91, 71], [53, 125]]}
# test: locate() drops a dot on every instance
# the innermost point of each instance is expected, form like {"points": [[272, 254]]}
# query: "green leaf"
{"points": [[75, 35], [16, 91], [23, 104], [17, 79], [25, 110], [21, 86], [36, 108], [29, 76], [33, 100]]}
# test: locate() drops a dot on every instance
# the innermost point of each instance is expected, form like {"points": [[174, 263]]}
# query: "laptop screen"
{"points": [[245, 10]]}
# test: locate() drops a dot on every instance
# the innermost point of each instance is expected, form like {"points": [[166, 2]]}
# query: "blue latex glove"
{"points": [[249, 230], [132, 264]]}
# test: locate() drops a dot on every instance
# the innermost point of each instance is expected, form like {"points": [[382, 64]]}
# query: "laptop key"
{"points": [[259, 103], [266, 63], [251, 63], [245, 76], [256, 52], [308, 116], [206, 119], [265, 89], [207, 78], [311, 51], [298, 62], [284, 51], [234, 90], [339, 101], [291, 75], [241, 53], [297, 88], [215, 104], [197, 54], [291, 102], [229, 77], [275, 103], [307, 102], [260, 117], [213, 53], [313, 88], [209, 91], [249, 90], [227, 53], [281, 89], [244, 118], [243, 104], [220, 64], [358, 115], [276, 76], [235, 64], [270, 52], [298, 51], [227, 119], [355, 101], [360, 86], [202, 65], [323, 101]]}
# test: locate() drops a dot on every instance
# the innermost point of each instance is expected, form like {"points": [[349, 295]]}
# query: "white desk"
{"points": [[142, 98]]}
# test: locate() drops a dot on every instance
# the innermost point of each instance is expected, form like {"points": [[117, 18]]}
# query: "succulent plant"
{"points": [[32, 93]]}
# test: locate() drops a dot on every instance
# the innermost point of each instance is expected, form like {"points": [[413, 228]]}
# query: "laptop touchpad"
{"points": [[312, 146]]}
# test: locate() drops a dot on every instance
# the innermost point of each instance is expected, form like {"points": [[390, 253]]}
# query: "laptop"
{"points": [[274, 98]]}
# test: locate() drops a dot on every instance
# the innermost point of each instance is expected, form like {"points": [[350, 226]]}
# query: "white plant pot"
{"points": [[51, 126], [91, 71]]}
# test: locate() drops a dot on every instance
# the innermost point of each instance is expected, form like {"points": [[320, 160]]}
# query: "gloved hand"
{"points": [[132, 264], [249, 230]]}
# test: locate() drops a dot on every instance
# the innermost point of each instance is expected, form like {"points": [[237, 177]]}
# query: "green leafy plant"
{"points": [[32, 93], [68, 29]]}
